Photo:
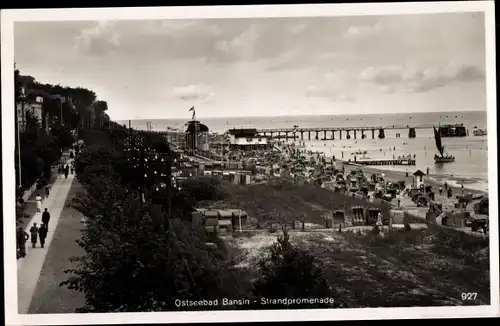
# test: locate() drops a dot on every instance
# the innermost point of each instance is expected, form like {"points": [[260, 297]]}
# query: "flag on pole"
{"points": [[194, 112]]}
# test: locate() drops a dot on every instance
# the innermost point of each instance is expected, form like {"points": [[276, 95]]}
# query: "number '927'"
{"points": [[469, 295]]}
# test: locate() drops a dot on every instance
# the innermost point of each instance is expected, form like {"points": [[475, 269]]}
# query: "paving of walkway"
{"points": [[29, 267], [48, 296]]}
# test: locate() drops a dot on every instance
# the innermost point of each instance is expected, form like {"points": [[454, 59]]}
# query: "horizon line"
{"points": [[303, 115]]}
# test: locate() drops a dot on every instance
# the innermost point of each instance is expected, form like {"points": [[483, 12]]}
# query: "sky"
{"points": [[159, 69]]}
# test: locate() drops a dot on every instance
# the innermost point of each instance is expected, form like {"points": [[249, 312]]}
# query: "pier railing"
{"points": [[307, 129]]}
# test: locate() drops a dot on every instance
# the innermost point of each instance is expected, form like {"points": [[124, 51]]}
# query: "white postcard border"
{"points": [[10, 273]]}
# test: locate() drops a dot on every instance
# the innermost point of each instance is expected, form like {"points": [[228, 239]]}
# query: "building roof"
{"points": [[211, 213], [419, 173], [225, 213], [248, 132], [191, 125]]}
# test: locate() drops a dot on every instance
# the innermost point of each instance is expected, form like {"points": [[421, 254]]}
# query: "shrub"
{"points": [[137, 258], [290, 272], [204, 188]]}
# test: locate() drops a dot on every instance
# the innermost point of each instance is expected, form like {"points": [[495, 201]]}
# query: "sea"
{"points": [[471, 153]]}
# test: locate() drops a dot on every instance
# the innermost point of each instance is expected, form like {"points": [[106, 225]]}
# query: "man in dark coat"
{"points": [[22, 237], [42, 233], [46, 218], [66, 171]]}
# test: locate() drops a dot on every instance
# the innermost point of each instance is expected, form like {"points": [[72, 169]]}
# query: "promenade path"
{"points": [[29, 267]]}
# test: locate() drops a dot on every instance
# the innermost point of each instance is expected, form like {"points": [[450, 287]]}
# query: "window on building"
{"points": [[249, 140], [260, 139]]}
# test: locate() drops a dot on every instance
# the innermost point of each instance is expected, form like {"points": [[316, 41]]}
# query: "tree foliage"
{"points": [[64, 136], [133, 261], [203, 188]]}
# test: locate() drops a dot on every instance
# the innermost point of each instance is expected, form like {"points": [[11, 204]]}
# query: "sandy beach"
{"points": [[432, 180]]}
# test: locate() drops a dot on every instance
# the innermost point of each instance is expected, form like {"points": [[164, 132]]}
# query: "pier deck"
{"points": [[365, 128]]}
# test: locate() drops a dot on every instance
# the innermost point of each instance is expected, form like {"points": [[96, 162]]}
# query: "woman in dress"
{"points": [[38, 203], [34, 235]]}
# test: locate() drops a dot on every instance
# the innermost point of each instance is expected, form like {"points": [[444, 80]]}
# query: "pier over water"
{"points": [[457, 130]]}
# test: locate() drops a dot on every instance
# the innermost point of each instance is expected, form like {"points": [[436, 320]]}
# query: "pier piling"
{"points": [[412, 133], [445, 131]]}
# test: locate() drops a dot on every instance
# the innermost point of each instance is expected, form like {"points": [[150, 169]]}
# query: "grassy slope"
{"points": [[404, 268]]}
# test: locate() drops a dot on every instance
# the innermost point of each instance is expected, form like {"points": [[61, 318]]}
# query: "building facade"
{"points": [[248, 139], [196, 137], [31, 107]]}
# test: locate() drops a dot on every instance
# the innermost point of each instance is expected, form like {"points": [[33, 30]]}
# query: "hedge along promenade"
{"points": [[134, 261]]}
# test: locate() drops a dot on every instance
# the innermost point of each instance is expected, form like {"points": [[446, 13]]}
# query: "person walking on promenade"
{"points": [[47, 191], [46, 218], [21, 238], [66, 171], [38, 199], [440, 191], [34, 235], [42, 233]]}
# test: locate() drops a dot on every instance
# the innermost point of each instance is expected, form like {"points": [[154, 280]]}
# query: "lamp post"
{"points": [[19, 137], [60, 104]]}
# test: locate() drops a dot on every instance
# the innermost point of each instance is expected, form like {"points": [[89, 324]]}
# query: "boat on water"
{"points": [[444, 158], [479, 132], [441, 158]]}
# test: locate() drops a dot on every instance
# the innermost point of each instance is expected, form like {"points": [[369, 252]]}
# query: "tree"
{"points": [[32, 122], [38, 151], [63, 135], [203, 188], [100, 156], [290, 272], [132, 265], [136, 257]]}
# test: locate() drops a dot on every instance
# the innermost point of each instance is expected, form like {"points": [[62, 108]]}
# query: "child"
{"points": [[34, 235]]}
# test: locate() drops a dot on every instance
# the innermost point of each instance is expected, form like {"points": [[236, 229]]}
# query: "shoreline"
{"points": [[433, 180]]}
